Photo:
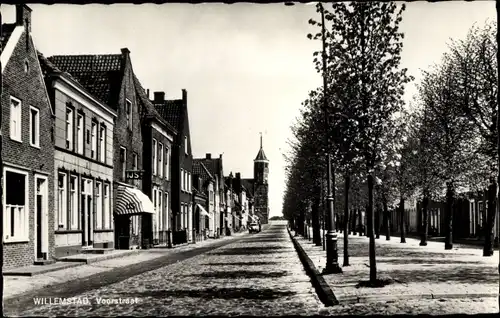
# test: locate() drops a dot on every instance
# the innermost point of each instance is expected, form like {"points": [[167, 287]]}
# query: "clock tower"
{"points": [[261, 189]]}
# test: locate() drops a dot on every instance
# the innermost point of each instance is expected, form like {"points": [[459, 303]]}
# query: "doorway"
{"points": [[87, 213], [122, 232], [41, 218]]}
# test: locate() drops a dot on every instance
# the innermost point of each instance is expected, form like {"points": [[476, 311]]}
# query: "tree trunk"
{"points": [[448, 243], [377, 222], [353, 220], [489, 236], [316, 221], [365, 225], [302, 222], [402, 226], [425, 220], [387, 219], [370, 230], [346, 220], [360, 222]]}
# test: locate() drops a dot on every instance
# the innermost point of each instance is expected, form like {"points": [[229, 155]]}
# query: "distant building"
{"points": [[204, 216], [28, 150]]}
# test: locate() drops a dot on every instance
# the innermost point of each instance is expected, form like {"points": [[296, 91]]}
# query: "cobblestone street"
{"points": [[259, 274]]}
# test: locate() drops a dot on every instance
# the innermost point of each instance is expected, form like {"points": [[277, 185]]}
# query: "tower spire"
{"points": [[261, 140]]}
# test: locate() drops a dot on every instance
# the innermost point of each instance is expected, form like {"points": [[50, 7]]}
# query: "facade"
{"points": [[175, 112], [28, 151], [110, 78], [158, 137], [83, 168], [205, 215], [215, 168]]}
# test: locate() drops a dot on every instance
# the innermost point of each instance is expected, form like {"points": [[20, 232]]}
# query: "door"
{"points": [[41, 217], [122, 232], [82, 215], [87, 212]]}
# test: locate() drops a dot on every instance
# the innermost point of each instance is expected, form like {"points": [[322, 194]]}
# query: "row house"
{"points": [[110, 78], [242, 205], [247, 185], [175, 112], [83, 142], [28, 151], [230, 204], [204, 215], [158, 137], [215, 168]]}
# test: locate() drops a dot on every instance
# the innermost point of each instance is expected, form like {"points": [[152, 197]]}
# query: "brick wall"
{"points": [[30, 89]]}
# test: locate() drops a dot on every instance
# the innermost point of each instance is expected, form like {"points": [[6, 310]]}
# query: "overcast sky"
{"points": [[246, 67]]}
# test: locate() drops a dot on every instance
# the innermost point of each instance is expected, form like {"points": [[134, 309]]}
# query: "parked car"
{"points": [[253, 228]]}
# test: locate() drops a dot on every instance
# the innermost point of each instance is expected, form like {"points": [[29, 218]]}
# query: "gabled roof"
{"points": [[7, 29], [200, 169], [101, 75], [150, 110], [213, 165], [171, 111]]}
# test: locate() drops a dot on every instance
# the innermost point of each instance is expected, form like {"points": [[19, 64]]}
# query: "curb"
{"points": [[324, 291]]}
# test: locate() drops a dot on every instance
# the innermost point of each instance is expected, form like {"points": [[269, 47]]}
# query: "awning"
{"points": [[203, 211], [132, 201]]}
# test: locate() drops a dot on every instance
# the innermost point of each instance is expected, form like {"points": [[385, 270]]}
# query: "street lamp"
{"points": [[332, 256]]}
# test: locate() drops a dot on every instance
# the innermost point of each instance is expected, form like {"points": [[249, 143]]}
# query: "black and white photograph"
{"points": [[250, 159]]}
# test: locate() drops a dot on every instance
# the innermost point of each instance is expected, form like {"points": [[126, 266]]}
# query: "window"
{"points": [[16, 221], [155, 217], [15, 119], [69, 128], [73, 202], [128, 109], [154, 156], [160, 210], [98, 203], [102, 141], [80, 134], [61, 199], [167, 159], [135, 162], [160, 160], [182, 180], [93, 152], [34, 127], [186, 144], [167, 215], [189, 182], [107, 207], [123, 159]]}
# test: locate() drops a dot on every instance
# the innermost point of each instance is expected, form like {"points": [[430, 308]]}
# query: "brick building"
{"points": [[158, 137], [28, 151], [111, 78], [175, 112], [83, 142]]}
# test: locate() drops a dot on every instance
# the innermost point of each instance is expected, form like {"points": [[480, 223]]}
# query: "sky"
{"points": [[246, 67]]}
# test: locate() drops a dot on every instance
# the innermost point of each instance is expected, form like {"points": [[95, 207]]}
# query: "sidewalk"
{"points": [[416, 272], [14, 285]]}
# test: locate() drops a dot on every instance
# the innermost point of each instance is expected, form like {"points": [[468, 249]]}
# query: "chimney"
{"points": [[220, 156], [147, 92], [125, 51], [238, 175], [208, 156], [159, 97], [184, 95], [23, 16]]}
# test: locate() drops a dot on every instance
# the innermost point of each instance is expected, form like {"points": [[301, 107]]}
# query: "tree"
{"points": [[366, 43]]}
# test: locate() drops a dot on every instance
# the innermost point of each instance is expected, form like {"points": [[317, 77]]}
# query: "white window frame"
{"points": [[159, 201], [160, 159], [16, 117], [36, 142], [182, 179], [107, 206], [135, 161], [93, 139], [166, 207], [124, 162], [73, 206], [167, 161], [186, 144], [62, 200], [99, 205], [80, 133], [189, 182], [128, 111], [102, 141], [23, 215], [155, 153], [69, 128]]}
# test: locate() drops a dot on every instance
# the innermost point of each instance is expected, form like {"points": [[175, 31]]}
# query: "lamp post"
{"points": [[332, 256], [498, 117]]}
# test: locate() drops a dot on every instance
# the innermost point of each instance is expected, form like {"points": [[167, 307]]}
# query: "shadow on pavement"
{"points": [[462, 275], [241, 274], [251, 250], [424, 261], [224, 293], [241, 264]]}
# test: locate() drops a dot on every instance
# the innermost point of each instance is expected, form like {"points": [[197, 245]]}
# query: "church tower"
{"points": [[260, 175]]}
